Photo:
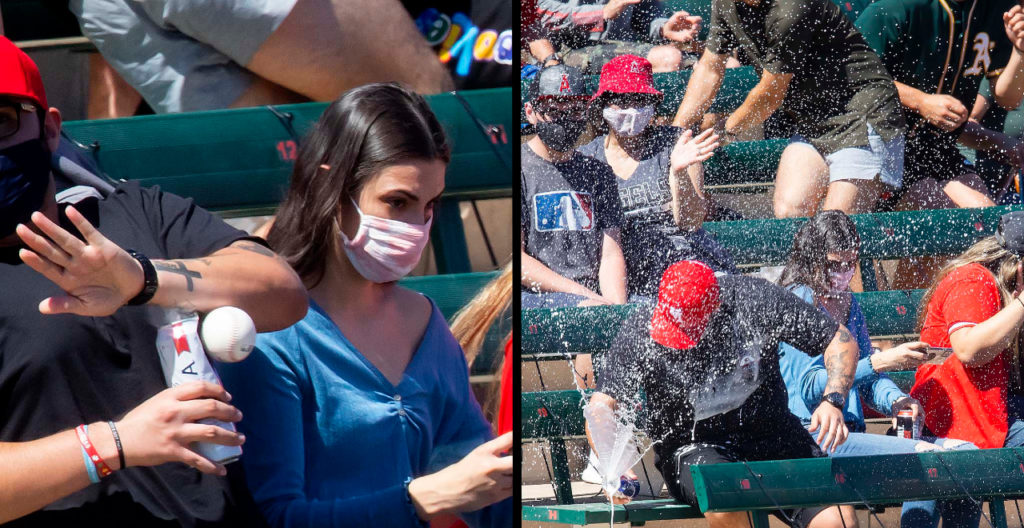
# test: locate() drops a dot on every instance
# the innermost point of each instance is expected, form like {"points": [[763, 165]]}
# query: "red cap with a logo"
{"points": [[19, 76], [687, 298], [627, 74]]}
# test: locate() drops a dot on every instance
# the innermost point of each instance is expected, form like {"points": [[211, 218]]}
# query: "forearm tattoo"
{"points": [[174, 266], [840, 364]]}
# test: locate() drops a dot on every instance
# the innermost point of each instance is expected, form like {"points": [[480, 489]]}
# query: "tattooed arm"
{"points": [[841, 364], [98, 276], [245, 274]]}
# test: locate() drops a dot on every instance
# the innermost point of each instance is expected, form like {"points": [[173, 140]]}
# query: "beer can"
{"points": [[183, 360], [906, 426], [628, 488]]}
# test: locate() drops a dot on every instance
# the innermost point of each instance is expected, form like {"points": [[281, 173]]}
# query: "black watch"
{"points": [[553, 56], [149, 282], [835, 399]]}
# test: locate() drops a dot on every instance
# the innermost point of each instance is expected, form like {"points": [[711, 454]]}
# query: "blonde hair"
{"points": [[472, 322], [1002, 264]]}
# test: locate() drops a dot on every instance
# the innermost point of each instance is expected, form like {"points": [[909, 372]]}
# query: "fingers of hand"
{"points": [[61, 304], [200, 389], [195, 460], [42, 246], [58, 234], [497, 445], [87, 230], [43, 266], [194, 410], [210, 434]]}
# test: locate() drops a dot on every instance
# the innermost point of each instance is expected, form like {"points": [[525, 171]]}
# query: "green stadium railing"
{"points": [[238, 162]]}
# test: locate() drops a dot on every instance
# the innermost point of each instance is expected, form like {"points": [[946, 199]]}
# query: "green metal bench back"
{"points": [[882, 235], [556, 333], [855, 480], [239, 161]]}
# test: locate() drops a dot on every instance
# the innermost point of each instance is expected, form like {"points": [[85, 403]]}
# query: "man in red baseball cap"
{"points": [[67, 377], [705, 357]]}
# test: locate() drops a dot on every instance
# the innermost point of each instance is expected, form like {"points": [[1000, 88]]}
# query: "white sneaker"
{"points": [[590, 474]]}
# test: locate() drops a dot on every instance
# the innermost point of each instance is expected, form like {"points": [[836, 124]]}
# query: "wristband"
{"points": [[90, 449], [117, 442], [89, 468], [553, 56], [149, 280]]}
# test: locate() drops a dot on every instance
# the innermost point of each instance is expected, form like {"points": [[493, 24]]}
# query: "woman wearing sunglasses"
{"points": [[821, 264]]}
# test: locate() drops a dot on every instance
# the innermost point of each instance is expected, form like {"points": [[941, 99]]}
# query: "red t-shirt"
{"points": [[966, 403], [505, 407]]}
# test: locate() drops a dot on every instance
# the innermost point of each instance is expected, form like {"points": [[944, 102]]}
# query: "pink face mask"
{"points": [[385, 250]]}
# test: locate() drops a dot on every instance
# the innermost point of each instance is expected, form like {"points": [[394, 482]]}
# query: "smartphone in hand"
{"points": [[936, 355]]}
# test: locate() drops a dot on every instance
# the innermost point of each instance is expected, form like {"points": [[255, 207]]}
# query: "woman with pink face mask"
{"points": [[361, 413], [659, 173]]}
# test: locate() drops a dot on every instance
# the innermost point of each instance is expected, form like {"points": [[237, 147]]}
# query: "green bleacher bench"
{"points": [[990, 475], [238, 162]]}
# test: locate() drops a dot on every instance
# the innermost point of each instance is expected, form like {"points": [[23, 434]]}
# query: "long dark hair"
{"points": [[367, 129], [826, 232]]}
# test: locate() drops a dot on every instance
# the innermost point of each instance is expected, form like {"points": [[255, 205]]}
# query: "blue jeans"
{"points": [[959, 513]]}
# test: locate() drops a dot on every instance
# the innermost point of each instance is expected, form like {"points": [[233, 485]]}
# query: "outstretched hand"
{"points": [[689, 150], [97, 275], [1013, 23], [681, 27]]}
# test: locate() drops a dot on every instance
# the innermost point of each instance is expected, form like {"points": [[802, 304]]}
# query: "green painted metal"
{"points": [[744, 163], [560, 468], [38, 20], [883, 479], [564, 332], [904, 379], [240, 160], [552, 414], [599, 513], [883, 235]]}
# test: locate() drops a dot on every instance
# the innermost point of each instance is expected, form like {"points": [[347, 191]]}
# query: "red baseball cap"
{"points": [[626, 74], [687, 297], [19, 76]]}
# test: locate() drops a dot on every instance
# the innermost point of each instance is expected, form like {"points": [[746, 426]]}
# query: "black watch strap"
{"points": [[835, 399], [554, 56], [149, 282]]}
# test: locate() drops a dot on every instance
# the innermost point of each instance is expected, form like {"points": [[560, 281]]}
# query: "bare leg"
{"points": [[584, 371], [263, 92], [968, 191], [801, 182], [665, 58], [324, 47], [110, 95], [727, 520], [853, 196], [830, 518]]}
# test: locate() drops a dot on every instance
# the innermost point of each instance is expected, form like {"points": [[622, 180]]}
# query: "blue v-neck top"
{"points": [[331, 442]]}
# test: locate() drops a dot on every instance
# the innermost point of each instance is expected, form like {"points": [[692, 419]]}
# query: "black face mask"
{"points": [[24, 179], [560, 135]]}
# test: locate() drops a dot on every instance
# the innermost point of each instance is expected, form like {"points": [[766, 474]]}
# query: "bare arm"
{"points": [[701, 90], [612, 275], [1008, 90], [977, 345], [541, 49], [1002, 147], [535, 275], [160, 430], [943, 111], [841, 364], [689, 205], [761, 102], [99, 277], [245, 274]]}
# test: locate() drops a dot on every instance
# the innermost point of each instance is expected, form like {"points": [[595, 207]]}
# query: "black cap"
{"points": [[558, 81], [1011, 232]]}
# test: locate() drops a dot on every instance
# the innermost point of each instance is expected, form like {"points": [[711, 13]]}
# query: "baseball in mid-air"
{"points": [[228, 334]]}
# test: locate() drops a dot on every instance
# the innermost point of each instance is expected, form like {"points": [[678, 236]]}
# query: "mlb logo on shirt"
{"points": [[563, 211]]}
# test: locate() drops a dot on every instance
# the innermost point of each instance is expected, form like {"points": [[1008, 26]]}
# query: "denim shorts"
{"points": [[182, 55], [879, 158]]}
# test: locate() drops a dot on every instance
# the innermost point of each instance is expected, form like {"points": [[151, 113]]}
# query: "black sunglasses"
{"points": [[10, 117]]}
